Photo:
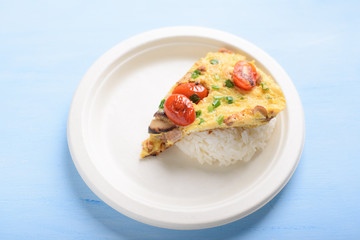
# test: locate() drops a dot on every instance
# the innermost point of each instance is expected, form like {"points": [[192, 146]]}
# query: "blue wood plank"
{"points": [[46, 47]]}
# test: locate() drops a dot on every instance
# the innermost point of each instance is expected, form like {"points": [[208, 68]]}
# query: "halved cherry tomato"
{"points": [[189, 89], [245, 75], [179, 109]]}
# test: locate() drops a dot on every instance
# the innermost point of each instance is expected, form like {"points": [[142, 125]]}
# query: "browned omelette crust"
{"points": [[249, 108]]}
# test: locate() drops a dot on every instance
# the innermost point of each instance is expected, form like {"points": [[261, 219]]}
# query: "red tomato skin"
{"points": [[189, 89], [245, 75], [179, 109]]}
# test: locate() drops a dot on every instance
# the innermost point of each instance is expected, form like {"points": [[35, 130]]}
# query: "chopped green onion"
{"points": [[194, 98], [210, 108], [268, 97], [218, 97], [220, 119], [162, 104], [229, 100], [217, 77], [198, 113], [241, 97], [216, 103], [196, 74], [214, 61], [215, 87], [201, 121], [264, 86], [229, 83]]}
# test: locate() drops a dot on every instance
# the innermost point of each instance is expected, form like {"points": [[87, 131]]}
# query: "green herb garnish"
{"points": [[210, 108], [218, 97], [214, 61], [217, 77], [162, 104], [229, 83], [194, 98], [216, 103], [215, 87], [229, 100], [198, 113], [196, 74], [220, 119], [264, 86], [201, 121]]}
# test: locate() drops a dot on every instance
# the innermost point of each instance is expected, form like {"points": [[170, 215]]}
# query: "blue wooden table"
{"points": [[47, 46]]}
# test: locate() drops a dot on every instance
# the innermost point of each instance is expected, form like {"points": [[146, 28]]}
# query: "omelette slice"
{"points": [[221, 90]]}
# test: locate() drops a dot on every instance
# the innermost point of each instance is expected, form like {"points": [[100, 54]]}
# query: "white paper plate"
{"points": [[109, 117]]}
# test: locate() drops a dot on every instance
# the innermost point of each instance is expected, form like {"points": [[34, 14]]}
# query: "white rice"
{"points": [[226, 146]]}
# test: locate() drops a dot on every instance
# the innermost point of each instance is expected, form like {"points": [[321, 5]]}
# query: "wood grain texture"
{"points": [[46, 47]]}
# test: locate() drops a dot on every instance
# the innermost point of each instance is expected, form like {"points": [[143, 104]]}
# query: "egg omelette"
{"points": [[221, 90]]}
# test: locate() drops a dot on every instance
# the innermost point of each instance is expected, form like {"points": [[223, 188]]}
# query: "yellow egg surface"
{"points": [[226, 105]]}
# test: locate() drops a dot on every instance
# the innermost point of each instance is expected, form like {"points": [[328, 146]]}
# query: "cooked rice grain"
{"points": [[226, 146]]}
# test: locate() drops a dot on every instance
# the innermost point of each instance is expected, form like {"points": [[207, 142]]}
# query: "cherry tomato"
{"points": [[179, 109], [189, 89], [245, 75]]}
